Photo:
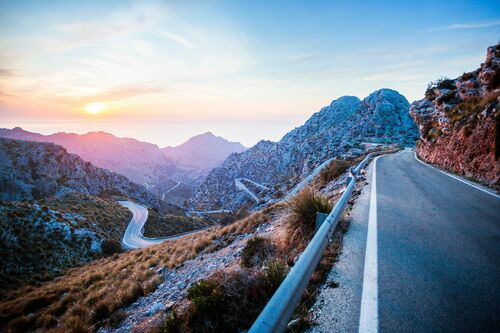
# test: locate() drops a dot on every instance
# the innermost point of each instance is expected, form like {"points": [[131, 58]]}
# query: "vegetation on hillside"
{"points": [[162, 225], [91, 296]]}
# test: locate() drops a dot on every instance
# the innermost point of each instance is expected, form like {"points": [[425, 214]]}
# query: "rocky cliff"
{"points": [[336, 130], [459, 122]]}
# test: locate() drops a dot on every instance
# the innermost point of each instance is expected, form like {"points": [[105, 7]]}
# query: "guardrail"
{"points": [[276, 314]]}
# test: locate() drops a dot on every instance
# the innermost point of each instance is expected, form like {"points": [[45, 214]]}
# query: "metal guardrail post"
{"points": [[320, 218], [276, 314]]}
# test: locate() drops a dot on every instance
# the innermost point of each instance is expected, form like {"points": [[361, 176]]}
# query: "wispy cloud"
{"points": [[176, 38], [467, 26]]}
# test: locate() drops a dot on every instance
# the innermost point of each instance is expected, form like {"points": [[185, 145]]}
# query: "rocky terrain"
{"points": [[58, 211], [32, 170], [337, 130], [142, 162], [459, 122], [38, 242]]}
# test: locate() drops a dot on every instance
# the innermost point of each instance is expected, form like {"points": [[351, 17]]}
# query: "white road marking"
{"points": [[368, 319], [456, 177]]}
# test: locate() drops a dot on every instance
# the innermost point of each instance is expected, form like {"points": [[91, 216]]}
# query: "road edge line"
{"points": [[456, 177], [368, 318]]}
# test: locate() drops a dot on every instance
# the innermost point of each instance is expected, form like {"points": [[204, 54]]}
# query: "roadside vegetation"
{"points": [[334, 170], [92, 296]]}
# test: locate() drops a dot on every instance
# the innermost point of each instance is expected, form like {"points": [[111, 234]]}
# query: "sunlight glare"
{"points": [[94, 108]]}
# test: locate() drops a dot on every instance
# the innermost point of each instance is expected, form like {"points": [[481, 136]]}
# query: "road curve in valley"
{"points": [[133, 237]]}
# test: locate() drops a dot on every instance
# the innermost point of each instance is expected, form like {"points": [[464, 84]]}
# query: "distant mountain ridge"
{"points": [[204, 151], [35, 170], [142, 162], [336, 130]]}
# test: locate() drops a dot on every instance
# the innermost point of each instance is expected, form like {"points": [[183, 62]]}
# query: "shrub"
{"points": [[173, 324], [36, 303], [276, 273], [21, 324], [110, 246], [467, 76], [333, 171], [205, 313], [304, 207], [441, 83], [255, 252], [46, 321], [101, 311]]}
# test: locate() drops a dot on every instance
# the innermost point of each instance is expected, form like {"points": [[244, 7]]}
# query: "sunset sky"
{"points": [[163, 71]]}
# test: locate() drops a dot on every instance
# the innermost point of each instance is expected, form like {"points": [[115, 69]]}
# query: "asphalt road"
{"points": [[133, 237], [437, 256]]}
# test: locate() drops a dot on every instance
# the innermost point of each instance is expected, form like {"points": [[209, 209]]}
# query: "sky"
{"points": [[163, 71]]}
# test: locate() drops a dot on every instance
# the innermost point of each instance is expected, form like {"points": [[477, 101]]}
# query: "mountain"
{"points": [[336, 130], [34, 170], [141, 162], [459, 122], [173, 173], [58, 211], [203, 152]]}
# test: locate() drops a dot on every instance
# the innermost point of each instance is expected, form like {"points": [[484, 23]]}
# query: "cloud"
{"points": [[176, 38], [121, 93], [477, 25]]}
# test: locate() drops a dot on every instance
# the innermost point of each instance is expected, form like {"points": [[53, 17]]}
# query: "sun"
{"points": [[94, 108]]}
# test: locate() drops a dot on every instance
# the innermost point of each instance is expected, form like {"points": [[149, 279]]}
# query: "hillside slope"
{"points": [[336, 130], [58, 211], [32, 170], [459, 122], [144, 163]]}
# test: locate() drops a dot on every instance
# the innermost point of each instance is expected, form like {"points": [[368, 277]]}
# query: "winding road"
{"points": [[243, 187], [134, 238], [422, 254]]}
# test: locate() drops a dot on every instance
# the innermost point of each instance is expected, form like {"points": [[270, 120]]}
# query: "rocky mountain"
{"points": [[33, 170], [141, 162], [171, 173], [336, 130], [203, 152], [459, 122]]}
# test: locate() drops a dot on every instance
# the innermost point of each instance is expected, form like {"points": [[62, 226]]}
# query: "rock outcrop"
{"points": [[459, 122], [336, 130]]}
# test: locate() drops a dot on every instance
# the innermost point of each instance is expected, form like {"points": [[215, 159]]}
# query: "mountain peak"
{"points": [[203, 151]]}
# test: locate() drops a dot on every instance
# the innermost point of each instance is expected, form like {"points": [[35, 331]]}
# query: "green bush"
{"points": [[255, 252], [173, 324], [110, 246], [207, 306], [276, 273]]}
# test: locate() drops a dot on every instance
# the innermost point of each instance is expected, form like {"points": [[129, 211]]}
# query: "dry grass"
{"points": [[89, 297], [165, 225], [304, 208], [334, 170]]}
